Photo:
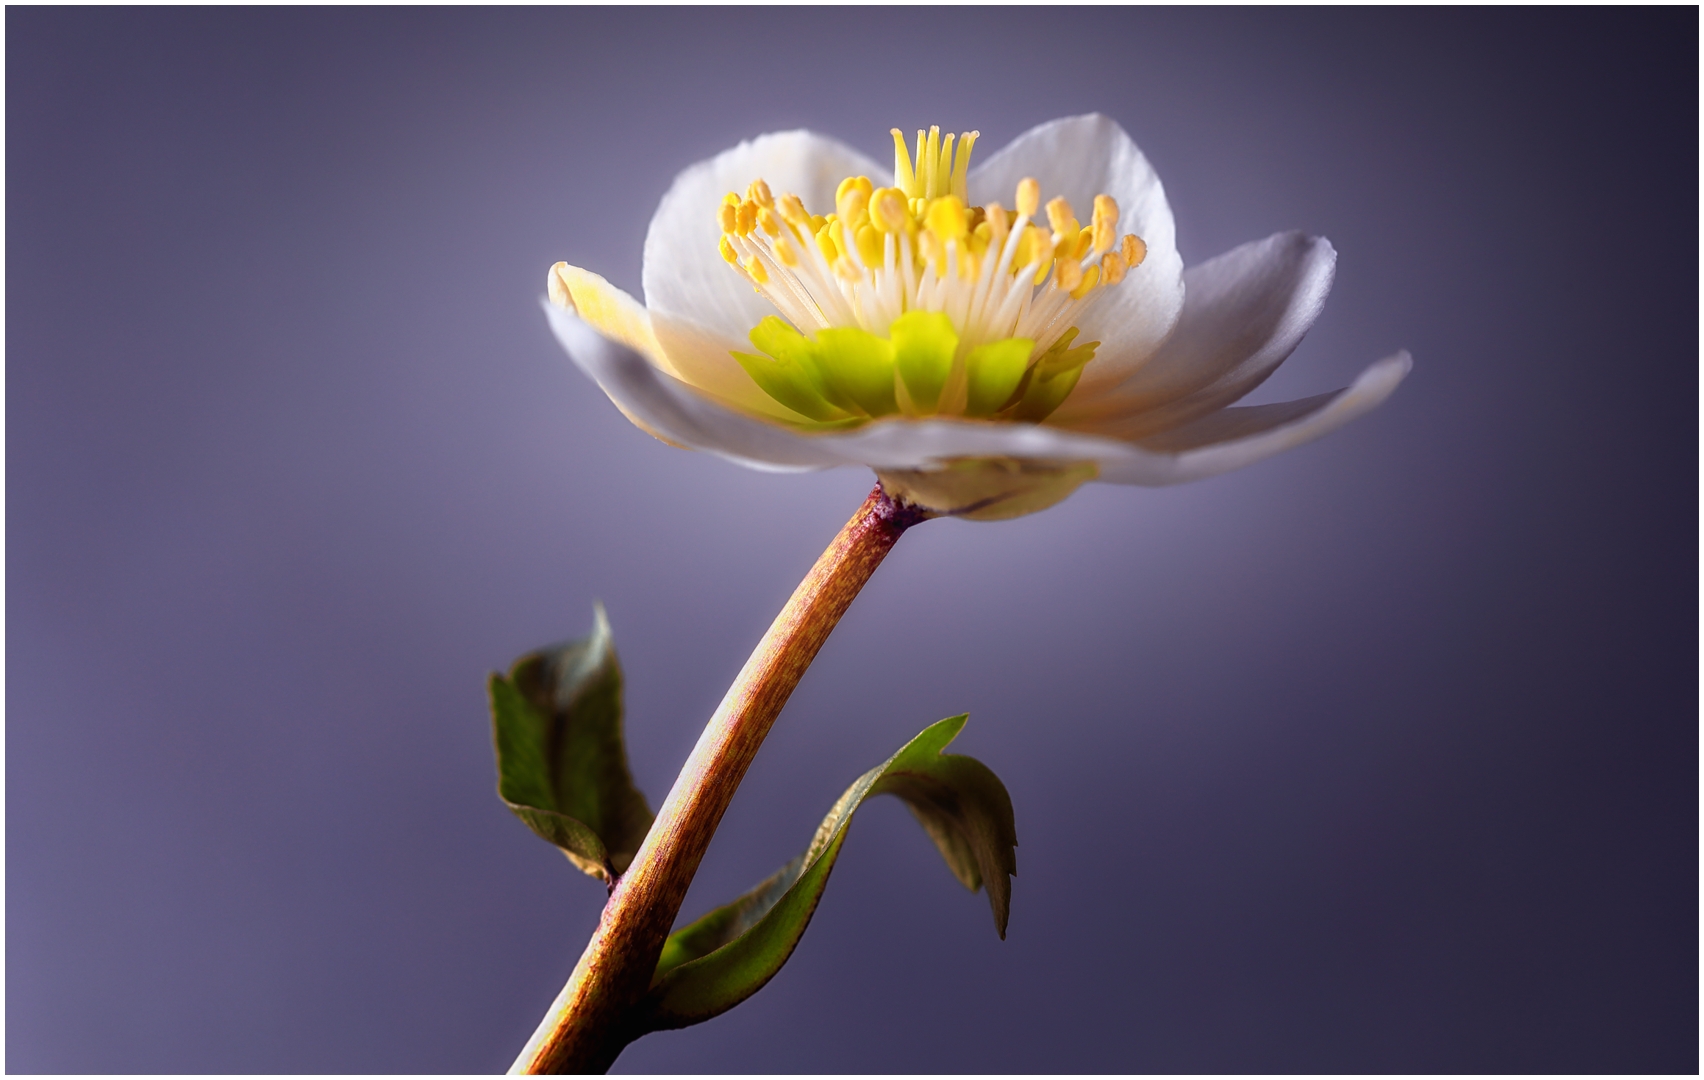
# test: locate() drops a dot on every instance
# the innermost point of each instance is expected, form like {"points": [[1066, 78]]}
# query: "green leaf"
{"points": [[923, 347], [561, 757], [728, 955], [994, 371]]}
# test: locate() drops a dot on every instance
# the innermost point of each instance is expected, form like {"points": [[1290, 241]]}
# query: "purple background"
{"points": [[1381, 755]]}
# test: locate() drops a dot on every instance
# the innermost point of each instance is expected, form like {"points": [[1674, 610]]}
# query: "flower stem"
{"points": [[589, 1023]]}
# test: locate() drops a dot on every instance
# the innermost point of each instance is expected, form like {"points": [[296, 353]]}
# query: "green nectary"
{"points": [[844, 376]]}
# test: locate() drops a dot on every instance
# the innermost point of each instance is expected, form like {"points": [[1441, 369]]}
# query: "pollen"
{"points": [[921, 245]]}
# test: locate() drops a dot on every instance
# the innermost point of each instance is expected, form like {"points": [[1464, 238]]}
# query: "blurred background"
{"points": [[1380, 755]]}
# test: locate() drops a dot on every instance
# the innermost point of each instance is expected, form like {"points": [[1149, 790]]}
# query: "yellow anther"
{"points": [[981, 236], [1112, 268], [995, 215], [947, 218], [869, 243], [732, 198], [1134, 251], [745, 217], [556, 284], [917, 207], [793, 211], [1029, 196], [961, 165], [1085, 240], [1059, 216], [817, 222], [1106, 209], [888, 211], [851, 196], [759, 193], [755, 269], [786, 252], [903, 178], [825, 243], [726, 215], [1106, 235], [727, 249], [1089, 279], [1067, 275], [847, 271], [768, 222]]}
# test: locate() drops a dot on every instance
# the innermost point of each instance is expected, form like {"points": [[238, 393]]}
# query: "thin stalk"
{"points": [[588, 1025]]}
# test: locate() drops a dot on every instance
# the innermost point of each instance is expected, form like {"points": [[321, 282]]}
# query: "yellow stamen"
{"points": [[1089, 279], [947, 218], [759, 193], [727, 250], [1064, 245], [1134, 251], [852, 196], [755, 269], [825, 243], [869, 243], [1059, 216], [1067, 275], [793, 211], [1029, 196], [1113, 268], [888, 211], [1106, 209], [726, 215], [786, 252], [745, 218], [1105, 222]]}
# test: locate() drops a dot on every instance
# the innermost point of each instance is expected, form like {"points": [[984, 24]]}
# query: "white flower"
{"points": [[982, 365]]}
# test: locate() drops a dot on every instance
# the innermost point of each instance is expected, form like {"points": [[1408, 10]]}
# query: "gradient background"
{"points": [[1381, 755]]}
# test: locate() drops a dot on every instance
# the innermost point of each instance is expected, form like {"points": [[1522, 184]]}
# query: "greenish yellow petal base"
{"points": [[988, 489]]}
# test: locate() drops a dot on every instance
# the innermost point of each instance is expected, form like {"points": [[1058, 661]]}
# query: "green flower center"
{"points": [[915, 303]]}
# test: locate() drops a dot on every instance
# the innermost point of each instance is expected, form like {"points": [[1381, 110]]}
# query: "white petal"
{"points": [[674, 411], [1081, 157], [685, 276], [1244, 312], [1232, 438]]}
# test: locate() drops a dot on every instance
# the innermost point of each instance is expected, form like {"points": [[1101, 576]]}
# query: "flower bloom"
{"points": [[806, 309]]}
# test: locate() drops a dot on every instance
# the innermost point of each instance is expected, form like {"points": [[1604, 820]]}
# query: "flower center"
{"points": [[919, 303]]}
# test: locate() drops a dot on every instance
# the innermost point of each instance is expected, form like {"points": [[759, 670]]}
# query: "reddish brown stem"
{"points": [[588, 1025]]}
